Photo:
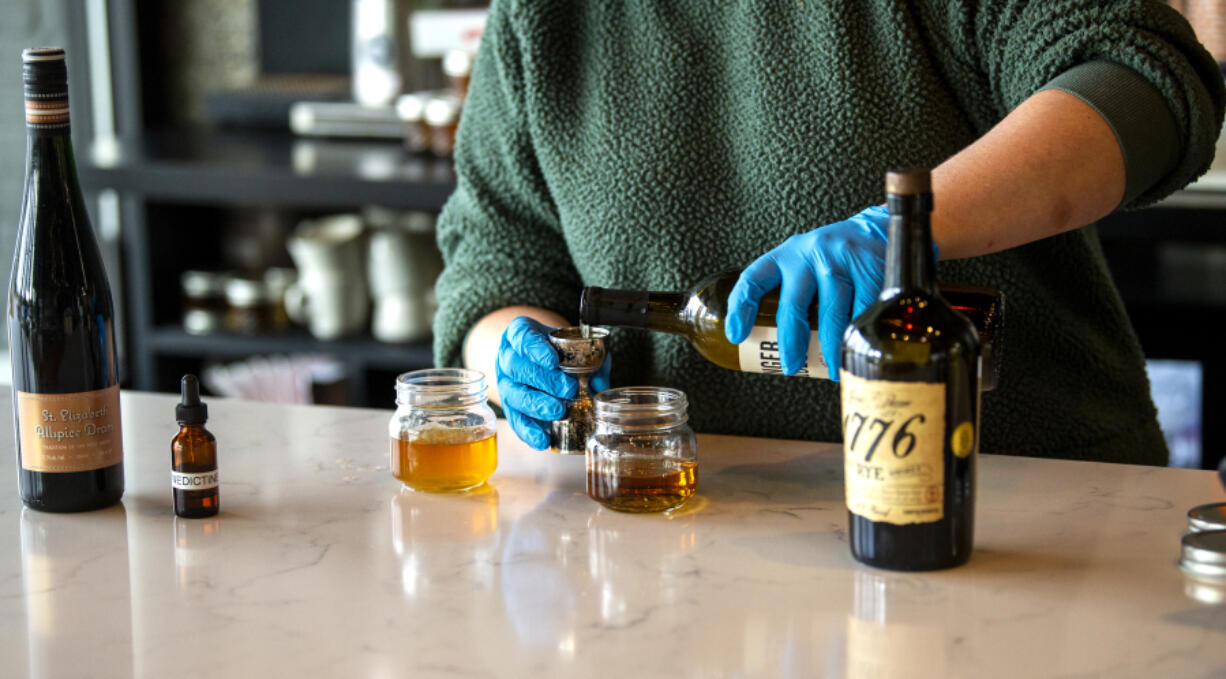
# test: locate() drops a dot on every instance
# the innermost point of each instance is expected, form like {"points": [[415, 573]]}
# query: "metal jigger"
{"points": [[579, 356]]}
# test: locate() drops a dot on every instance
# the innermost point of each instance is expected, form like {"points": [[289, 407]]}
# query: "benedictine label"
{"points": [[760, 354], [69, 432], [200, 481], [893, 449]]}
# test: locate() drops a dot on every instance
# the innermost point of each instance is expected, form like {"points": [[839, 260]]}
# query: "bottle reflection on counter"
{"points": [[78, 602], [193, 542], [885, 642]]}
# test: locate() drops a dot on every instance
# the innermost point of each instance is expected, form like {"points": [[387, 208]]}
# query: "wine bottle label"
{"points": [[760, 354], [200, 481], [893, 449], [69, 432]]}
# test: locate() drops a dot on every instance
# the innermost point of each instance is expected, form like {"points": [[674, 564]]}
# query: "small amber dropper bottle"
{"points": [[193, 476]]}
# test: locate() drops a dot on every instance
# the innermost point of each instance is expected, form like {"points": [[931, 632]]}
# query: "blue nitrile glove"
{"points": [[531, 386], [842, 263]]}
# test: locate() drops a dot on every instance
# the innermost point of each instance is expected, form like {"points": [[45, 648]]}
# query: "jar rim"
{"points": [[440, 379], [641, 401]]}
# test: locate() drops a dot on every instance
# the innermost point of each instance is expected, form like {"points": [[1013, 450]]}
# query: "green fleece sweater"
{"points": [[646, 144]]}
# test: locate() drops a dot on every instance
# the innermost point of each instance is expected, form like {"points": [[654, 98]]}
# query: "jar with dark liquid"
{"points": [[443, 431], [643, 456]]}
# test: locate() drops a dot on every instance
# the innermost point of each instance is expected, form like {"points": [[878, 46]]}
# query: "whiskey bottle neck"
{"points": [[910, 265]]}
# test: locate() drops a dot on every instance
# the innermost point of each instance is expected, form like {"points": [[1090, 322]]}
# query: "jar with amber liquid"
{"points": [[443, 432], [642, 456]]}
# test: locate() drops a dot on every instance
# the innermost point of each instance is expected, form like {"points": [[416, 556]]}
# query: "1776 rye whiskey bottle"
{"points": [[61, 321], [910, 392]]}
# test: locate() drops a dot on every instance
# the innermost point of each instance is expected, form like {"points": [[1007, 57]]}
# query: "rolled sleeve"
{"points": [[1138, 115], [1087, 47]]}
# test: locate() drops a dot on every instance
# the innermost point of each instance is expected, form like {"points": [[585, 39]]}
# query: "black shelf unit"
{"points": [[1173, 319], [201, 165], [159, 169]]}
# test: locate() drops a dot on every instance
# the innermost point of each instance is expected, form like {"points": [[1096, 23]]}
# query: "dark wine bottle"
{"points": [[698, 315], [910, 392], [61, 320]]}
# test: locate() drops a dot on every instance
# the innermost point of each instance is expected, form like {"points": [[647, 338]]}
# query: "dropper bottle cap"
{"points": [[191, 410]]}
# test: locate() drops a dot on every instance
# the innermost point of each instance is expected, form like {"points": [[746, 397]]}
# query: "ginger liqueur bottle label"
{"points": [[909, 382], [61, 320], [698, 315]]}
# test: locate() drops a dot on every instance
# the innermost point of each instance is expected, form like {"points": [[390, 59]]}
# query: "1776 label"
{"points": [[69, 432], [893, 449]]}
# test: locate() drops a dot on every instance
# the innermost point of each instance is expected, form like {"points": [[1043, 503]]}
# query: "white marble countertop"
{"points": [[319, 565]]}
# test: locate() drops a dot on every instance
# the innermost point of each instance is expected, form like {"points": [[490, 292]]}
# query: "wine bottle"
{"points": [[61, 320], [909, 384], [698, 315]]}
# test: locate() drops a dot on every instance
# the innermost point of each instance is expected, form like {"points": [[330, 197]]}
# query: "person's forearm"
{"points": [[1050, 166], [481, 345]]}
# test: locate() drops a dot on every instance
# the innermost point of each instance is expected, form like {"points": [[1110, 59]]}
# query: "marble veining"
{"points": [[320, 565]]}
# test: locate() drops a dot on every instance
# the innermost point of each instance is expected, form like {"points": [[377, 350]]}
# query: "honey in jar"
{"points": [[443, 460], [443, 432]]}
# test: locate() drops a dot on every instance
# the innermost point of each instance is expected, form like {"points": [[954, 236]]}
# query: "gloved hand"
{"points": [[842, 263], [531, 386]]}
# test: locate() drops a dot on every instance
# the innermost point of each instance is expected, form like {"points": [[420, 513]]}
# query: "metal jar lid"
{"points": [[1204, 554], [1207, 517]]}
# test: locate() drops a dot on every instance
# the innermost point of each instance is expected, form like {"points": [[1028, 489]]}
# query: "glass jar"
{"points": [[250, 310], [411, 110], [458, 66], [443, 119], [204, 301], [443, 432], [642, 457]]}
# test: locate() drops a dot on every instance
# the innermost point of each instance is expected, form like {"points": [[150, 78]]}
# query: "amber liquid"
{"points": [[437, 463], [194, 451], [646, 485]]}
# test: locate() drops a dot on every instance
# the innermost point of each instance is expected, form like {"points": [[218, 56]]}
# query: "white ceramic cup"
{"points": [[330, 295], [402, 263]]}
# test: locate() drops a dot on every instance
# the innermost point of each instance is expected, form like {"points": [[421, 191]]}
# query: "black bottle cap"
{"points": [[44, 73], [191, 410]]}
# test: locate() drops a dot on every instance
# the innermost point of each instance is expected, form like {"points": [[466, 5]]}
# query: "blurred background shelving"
{"points": [[178, 180], [184, 143]]}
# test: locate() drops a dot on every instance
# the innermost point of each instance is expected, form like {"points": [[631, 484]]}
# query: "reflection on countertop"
{"points": [[321, 564]]}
